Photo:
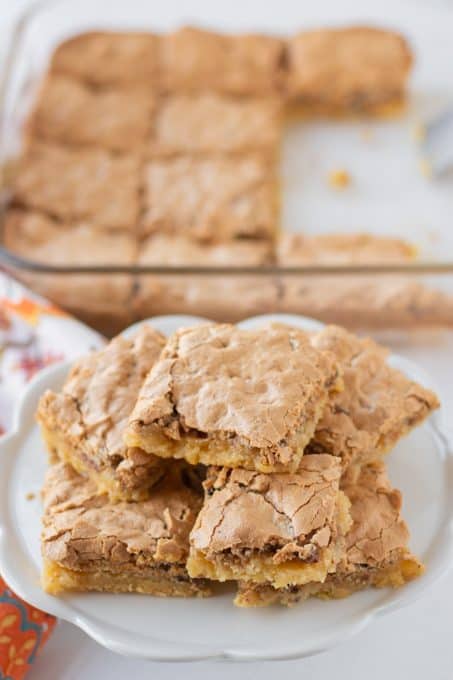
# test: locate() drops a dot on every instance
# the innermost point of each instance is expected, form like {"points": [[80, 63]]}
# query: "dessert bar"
{"points": [[377, 552], [233, 297], [348, 70], [377, 407], [83, 424], [71, 113], [78, 184], [109, 58], [220, 395], [278, 529], [210, 123], [193, 59], [211, 198], [89, 543]]}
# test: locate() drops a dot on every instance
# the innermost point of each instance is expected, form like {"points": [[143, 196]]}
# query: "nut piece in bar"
{"points": [[226, 298], [211, 199], [89, 543], [358, 301], [212, 123], [279, 529], [220, 395], [103, 298], [377, 407], [78, 184], [71, 113], [194, 59], [84, 423], [109, 58], [377, 552], [348, 70]]}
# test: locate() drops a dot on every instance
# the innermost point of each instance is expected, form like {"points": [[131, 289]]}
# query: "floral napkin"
{"points": [[33, 334]]}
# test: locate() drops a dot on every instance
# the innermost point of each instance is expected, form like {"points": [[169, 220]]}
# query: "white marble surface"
{"points": [[415, 642]]}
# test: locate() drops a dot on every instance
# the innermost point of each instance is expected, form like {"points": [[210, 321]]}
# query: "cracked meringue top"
{"points": [[377, 406], [242, 398]]}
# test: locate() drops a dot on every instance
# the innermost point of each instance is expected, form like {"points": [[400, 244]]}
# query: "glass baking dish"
{"points": [[388, 196]]}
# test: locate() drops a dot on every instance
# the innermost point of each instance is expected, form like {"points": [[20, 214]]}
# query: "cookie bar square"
{"points": [[69, 112], [279, 529], [210, 123], [40, 239], [193, 59], [78, 184], [226, 298], [348, 70], [220, 395], [377, 552], [358, 301], [211, 199], [109, 58], [89, 543], [378, 405], [83, 424]]}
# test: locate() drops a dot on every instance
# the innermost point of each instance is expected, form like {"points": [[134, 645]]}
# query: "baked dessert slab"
{"points": [[227, 298], [355, 248], [210, 123], [89, 543], [194, 59], [109, 58], [39, 238], [220, 395], [348, 70], [212, 199], [359, 300], [83, 424], [69, 112], [78, 184], [277, 529], [377, 407], [377, 552]]}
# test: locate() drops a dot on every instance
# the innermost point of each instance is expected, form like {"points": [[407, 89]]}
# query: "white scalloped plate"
{"points": [[166, 629]]}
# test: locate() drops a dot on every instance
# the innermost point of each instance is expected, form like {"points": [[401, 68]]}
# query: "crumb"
{"points": [[418, 131], [339, 179], [30, 496], [425, 168], [366, 134]]}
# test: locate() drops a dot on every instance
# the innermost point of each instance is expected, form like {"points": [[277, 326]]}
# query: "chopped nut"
{"points": [[30, 496]]}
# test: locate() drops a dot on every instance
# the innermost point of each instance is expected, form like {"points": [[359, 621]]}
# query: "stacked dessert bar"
{"points": [[224, 454], [146, 149]]}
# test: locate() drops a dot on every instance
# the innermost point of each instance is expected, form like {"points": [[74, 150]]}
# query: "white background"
{"points": [[416, 642]]}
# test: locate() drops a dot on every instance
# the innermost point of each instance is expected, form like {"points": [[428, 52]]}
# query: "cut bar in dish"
{"points": [[78, 184], [103, 298], [109, 58], [83, 424], [220, 395], [378, 405], [193, 59], [69, 112], [275, 529], [212, 123], [89, 543], [358, 300], [348, 70], [377, 552], [228, 298], [211, 198]]}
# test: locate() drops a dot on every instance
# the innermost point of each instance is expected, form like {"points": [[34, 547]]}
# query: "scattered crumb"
{"points": [[425, 168], [366, 134], [30, 496], [339, 179], [418, 131]]}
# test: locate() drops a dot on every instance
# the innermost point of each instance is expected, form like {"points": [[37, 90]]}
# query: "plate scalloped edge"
{"points": [[22, 576]]}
